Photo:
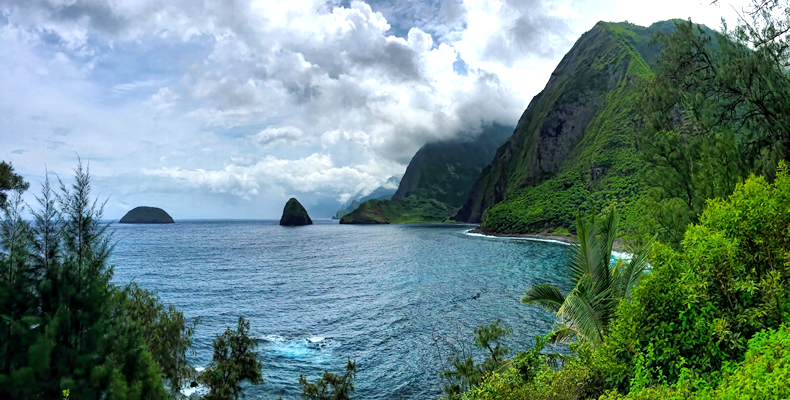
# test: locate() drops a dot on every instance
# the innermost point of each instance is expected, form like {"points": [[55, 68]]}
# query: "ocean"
{"points": [[392, 298]]}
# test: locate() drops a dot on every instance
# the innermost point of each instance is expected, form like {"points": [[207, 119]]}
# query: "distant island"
{"points": [[147, 215], [294, 214]]}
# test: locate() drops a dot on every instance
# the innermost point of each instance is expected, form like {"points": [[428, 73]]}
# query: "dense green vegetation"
{"points": [[708, 320], [9, 181], [65, 330], [587, 311], [605, 72], [573, 147]]}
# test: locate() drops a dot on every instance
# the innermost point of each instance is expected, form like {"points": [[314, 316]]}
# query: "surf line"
{"points": [[616, 254]]}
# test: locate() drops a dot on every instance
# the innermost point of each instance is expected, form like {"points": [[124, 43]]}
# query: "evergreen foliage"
{"points": [[330, 386], [10, 181], [464, 374], [63, 325], [235, 361]]}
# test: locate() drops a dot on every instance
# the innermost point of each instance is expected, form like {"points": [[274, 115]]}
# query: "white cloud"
{"points": [[258, 99]]}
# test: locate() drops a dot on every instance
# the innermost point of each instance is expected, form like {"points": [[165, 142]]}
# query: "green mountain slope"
{"points": [[573, 147], [445, 171], [436, 181], [383, 192]]}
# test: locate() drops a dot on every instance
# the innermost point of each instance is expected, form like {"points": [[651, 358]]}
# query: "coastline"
{"points": [[618, 247]]}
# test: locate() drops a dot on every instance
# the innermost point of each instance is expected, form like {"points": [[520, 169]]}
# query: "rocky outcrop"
{"points": [[294, 214], [147, 215]]}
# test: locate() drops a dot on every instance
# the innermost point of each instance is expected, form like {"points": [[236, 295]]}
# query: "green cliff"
{"points": [[573, 148], [294, 214], [436, 181], [147, 215]]}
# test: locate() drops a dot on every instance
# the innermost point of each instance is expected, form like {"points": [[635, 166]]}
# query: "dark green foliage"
{"points": [[234, 362], [294, 214], [63, 325], [444, 171], [586, 312], [166, 333], [717, 110], [464, 373], [9, 181], [330, 386], [146, 215]]}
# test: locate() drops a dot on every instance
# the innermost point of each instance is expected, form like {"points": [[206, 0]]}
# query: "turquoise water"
{"points": [[390, 297]]}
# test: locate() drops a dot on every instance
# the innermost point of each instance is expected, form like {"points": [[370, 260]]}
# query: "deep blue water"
{"points": [[384, 296]]}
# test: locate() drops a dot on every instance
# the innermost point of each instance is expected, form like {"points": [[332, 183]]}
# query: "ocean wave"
{"points": [[615, 254]]}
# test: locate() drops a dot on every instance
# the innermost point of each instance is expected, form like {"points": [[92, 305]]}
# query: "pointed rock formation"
{"points": [[294, 214]]}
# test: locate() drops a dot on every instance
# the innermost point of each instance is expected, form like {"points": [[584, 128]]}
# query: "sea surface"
{"points": [[392, 298]]}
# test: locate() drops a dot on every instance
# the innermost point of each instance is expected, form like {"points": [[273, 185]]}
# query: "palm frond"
{"points": [[636, 268], [562, 333], [545, 295], [585, 316]]}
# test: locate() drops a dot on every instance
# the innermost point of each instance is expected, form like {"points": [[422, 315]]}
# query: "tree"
{"points": [[698, 308], [166, 333], [9, 181], [585, 313], [330, 386], [234, 362], [63, 324], [717, 110], [464, 373]]}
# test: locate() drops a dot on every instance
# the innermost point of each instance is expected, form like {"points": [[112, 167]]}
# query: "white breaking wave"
{"points": [[616, 254]]}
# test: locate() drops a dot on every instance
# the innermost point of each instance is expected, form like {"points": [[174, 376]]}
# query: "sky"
{"points": [[217, 109]]}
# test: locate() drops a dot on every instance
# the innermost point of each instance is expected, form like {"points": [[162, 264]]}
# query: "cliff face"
{"points": [[436, 181], [445, 171], [573, 140], [146, 215], [294, 214]]}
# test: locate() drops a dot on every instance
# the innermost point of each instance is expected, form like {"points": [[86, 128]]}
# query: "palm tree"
{"points": [[599, 286]]}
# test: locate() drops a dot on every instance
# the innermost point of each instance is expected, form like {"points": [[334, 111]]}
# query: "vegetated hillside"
{"points": [[410, 209], [573, 148], [436, 181], [383, 192], [445, 171]]}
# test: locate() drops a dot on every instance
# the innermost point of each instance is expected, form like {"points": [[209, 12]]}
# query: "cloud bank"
{"points": [[218, 108]]}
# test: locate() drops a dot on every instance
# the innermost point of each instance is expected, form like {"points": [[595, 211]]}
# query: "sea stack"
{"points": [[147, 215], [294, 214]]}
